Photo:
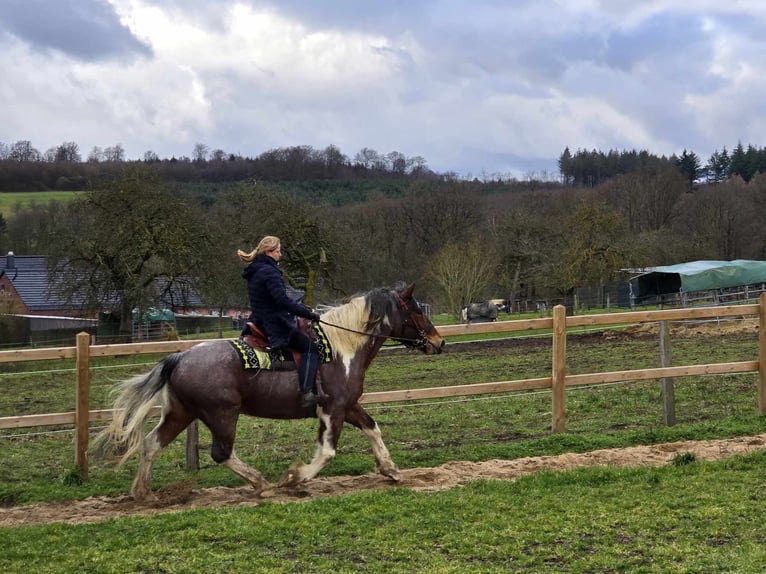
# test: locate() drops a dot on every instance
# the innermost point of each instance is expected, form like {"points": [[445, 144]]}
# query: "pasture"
{"points": [[584, 520], [10, 202]]}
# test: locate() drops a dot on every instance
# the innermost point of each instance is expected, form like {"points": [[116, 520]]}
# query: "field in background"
{"points": [[10, 202]]}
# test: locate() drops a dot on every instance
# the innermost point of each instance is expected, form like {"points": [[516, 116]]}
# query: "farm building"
{"points": [[35, 311], [699, 283]]}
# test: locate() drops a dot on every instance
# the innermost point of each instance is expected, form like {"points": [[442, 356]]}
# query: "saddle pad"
{"points": [[251, 358], [325, 351]]}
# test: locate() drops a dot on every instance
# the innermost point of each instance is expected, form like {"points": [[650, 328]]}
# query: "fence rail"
{"points": [[558, 324]]}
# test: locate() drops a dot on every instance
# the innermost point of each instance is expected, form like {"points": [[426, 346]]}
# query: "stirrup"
{"points": [[308, 399]]}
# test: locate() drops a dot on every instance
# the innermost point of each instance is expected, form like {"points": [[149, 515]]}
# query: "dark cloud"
{"points": [[368, 16], [84, 29]]}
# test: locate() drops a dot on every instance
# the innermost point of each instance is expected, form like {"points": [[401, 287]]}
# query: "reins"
{"points": [[371, 335], [421, 342]]}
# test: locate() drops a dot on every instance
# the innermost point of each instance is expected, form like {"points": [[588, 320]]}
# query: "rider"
{"points": [[274, 312]]}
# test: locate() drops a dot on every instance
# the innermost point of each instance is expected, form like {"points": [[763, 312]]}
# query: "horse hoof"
{"points": [[261, 489], [289, 479], [391, 473]]}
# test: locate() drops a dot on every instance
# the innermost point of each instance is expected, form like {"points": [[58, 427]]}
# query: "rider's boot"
{"points": [[307, 373]]}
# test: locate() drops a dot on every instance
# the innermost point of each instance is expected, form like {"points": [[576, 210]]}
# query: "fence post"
{"points": [[192, 446], [668, 386], [762, 354], [82, 404], [559, 369]]}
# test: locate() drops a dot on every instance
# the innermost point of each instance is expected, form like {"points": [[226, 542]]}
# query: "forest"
{"points": [[355, 224]]}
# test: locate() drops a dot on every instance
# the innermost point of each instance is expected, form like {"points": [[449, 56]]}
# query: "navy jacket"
{"points": [[272, 310]]}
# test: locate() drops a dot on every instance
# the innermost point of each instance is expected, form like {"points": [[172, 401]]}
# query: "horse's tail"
{"points": [[136, 398]]}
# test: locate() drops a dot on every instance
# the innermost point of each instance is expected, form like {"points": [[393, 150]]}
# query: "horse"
{"points": [[209, 382]]}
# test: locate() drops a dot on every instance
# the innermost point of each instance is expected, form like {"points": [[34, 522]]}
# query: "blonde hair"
{"points": [[268, 243]]}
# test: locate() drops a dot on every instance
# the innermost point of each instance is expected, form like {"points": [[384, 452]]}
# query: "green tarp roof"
{"points": [[699, 276]]}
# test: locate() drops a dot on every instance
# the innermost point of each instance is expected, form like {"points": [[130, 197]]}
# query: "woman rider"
{"points": [[274, 312]]}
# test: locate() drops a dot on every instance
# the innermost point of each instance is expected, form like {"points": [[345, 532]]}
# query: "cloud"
{"points": [[84, 29], [486, 86]]}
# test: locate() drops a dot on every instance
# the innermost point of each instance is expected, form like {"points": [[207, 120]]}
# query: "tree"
{"points": [[115, 153], [594, 253], [647, 198], [24, 151], [125, 242], [200, 152], [690, 166], [69, 152], [565, 167], [96, 155], [723, 223], [150, 157], [247, 213], [739, 164], [462, 272], [717, 167]]}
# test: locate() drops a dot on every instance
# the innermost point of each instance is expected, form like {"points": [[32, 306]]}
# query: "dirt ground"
{"points": [[182, 496]]}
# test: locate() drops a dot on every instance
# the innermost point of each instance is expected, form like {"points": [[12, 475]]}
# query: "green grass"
{"points": [[690, 516], [696, 517], [11, 201], [37, 463]]}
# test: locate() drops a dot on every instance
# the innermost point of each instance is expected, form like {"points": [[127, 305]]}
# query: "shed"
{"points": [[692, 276]]}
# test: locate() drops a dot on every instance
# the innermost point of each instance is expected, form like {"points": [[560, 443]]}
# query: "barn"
{"points": [[700, 282], [33, 311]]}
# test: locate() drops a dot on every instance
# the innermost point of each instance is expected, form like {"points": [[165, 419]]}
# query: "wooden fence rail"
{"points": [[559, 323]]}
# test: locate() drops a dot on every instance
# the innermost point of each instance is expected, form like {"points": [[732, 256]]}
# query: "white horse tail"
{"points": [[137, 396]]}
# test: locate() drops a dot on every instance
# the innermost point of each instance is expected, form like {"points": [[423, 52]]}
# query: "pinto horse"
{"points": [[209, 382]]}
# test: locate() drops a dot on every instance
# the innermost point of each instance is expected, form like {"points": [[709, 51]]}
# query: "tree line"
{"points": [[24, 168], [136, 234], [591, 168]]}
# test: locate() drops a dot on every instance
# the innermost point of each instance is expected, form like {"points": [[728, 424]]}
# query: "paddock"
{"points": [[554, 386]]}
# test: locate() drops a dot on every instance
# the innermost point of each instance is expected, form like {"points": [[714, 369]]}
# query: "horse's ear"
{"points": [[406, 294]]}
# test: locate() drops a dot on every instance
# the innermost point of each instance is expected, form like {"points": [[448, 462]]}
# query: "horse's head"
{"points": [[415, 330]]}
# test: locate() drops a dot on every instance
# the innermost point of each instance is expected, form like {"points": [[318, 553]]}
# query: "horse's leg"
{"points": [[357, 416], [174, 420], [330, 426], [223, 427]]}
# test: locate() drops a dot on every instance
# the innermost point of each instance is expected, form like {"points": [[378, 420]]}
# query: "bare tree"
{"points": [[23, 150], [200, 152], [151, 157], [115, 153], [96, 155], [462, 272], [68, 151]]}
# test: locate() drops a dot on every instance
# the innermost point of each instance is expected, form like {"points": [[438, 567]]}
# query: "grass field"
{"points": [[690, 517], [11, 201]]}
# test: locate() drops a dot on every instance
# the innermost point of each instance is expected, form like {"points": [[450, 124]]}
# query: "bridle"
{"points": [[421, 342]]}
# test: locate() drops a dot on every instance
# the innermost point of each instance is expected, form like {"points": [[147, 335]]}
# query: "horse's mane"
{"points": [[364, 313]]}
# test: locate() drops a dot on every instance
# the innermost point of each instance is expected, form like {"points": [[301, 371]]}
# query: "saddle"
{"points": [[257, 339]]}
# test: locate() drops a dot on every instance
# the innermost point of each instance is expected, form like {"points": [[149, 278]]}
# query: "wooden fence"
{"points": [[559, 380]]}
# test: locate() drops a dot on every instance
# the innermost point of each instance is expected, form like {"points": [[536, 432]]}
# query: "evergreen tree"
{"points": [[738, 165], [690, 166], [717, 167]]}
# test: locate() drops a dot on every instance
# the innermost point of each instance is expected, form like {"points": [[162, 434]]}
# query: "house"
{"points": [[25, 280], [34, 311]]}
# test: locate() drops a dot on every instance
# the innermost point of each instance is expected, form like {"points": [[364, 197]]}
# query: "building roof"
{"points": [[29, 276], [699, 276]]}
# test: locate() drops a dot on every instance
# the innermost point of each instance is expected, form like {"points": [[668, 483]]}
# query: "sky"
{"points": [[479, 88]]}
